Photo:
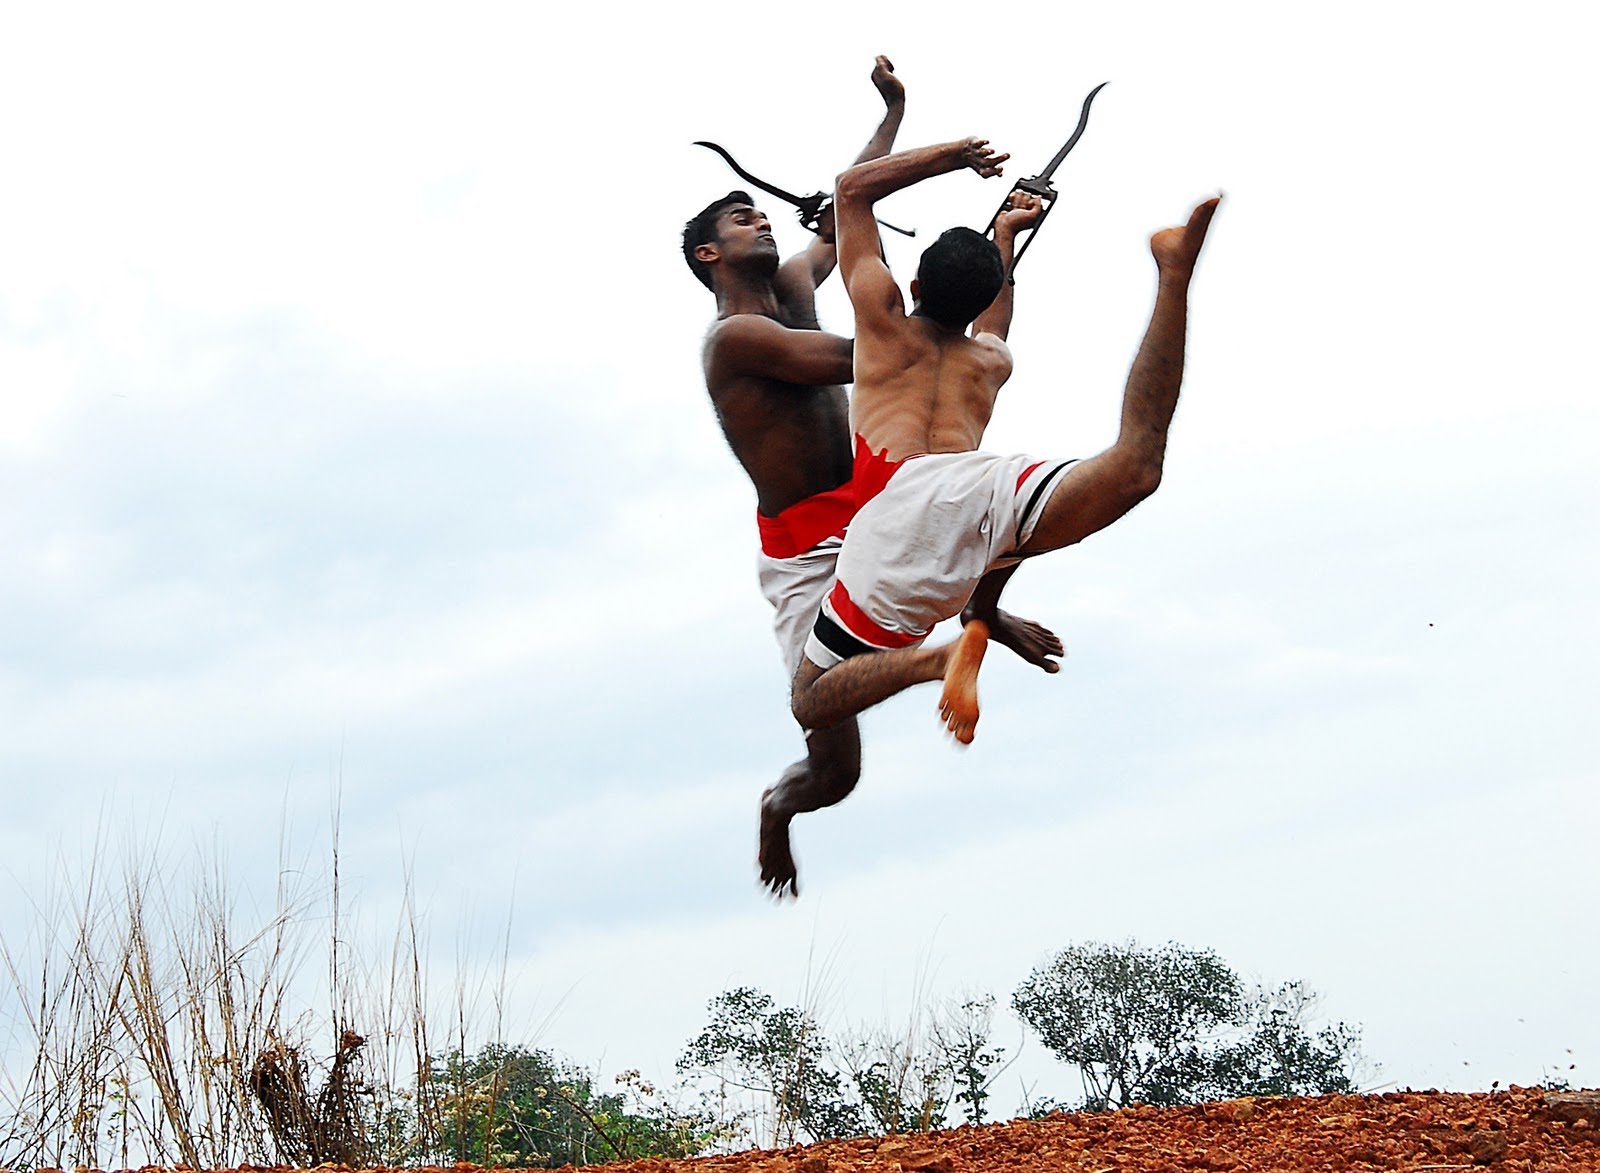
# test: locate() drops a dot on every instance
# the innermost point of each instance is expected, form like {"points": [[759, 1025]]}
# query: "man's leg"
{"points": [[825, 696], [1096, 492], [827, 773]]}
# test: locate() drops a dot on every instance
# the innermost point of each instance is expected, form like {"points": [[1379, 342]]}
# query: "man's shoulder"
{"points": [[731, 329], [991, 346]]}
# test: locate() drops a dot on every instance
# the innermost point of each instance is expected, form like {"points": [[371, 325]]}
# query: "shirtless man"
{"points": [[930, 528], [775, 379]]}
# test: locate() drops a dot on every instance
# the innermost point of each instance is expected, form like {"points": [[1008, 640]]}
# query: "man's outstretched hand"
{"points": [[977, 154], [890, 86], [1034, 642]]}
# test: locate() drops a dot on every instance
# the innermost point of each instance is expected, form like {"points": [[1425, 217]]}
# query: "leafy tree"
{"points": [[901, 1086], [525, 1108], [778, 1053], [1280, 1056], [877, 1081], [962, 1036], [907, 1081], [1172, 1025]]}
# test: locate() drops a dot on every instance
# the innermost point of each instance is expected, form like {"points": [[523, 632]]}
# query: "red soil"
{"points": [[1520, 1129]]}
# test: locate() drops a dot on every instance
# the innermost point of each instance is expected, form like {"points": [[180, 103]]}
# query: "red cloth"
{"points": [[805, 523], [872, 471]]}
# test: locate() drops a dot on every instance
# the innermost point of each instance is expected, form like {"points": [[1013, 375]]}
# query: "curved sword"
{"points": [[810, 207], [1040, 185]]}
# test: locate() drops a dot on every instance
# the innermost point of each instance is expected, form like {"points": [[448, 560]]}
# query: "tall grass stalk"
{"points": [[165, 1020]]}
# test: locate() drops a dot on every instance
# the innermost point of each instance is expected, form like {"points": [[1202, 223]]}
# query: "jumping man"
{"points": [[935, 514], [776, 381]]}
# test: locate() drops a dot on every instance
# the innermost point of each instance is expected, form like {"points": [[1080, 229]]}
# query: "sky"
{"points": [[354, 458]]}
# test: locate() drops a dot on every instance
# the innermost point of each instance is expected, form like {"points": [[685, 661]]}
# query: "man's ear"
{"points": [[707, 253], [916, 291]]}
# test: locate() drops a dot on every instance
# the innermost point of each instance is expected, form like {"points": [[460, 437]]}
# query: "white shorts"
{"points": [[796, 587], [915, 552]]}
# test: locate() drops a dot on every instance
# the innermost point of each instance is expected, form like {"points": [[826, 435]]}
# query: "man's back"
{"points": [[922, 387]]}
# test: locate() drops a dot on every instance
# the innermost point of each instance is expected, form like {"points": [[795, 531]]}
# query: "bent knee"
{"points": [[1144, 482], [812, 717], [1138, 476]]}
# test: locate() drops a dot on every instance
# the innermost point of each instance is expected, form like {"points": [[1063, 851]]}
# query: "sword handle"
{"points": [[1039, 185], [1036, 186], [810, 209]]}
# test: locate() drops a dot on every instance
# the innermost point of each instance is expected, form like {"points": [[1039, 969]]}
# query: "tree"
{"points": [[907, 1081], [875, 1080], [901, 1084], [962, 1034], [1172, 1025], [779, 1054], [525, 1108], [1280, 1057]]}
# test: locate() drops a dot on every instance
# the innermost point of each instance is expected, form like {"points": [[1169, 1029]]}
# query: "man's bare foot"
{"points": [[1034, 642], [778, 872], [958, 703], [1177, 249]]}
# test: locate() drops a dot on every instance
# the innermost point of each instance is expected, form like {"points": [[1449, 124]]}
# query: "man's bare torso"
{"points": [[922, 387], [793, 440]]}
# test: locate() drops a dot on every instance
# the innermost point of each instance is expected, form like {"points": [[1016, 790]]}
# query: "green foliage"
{"points": [[908, 1082], [1279, 1056], [756, 1046], [1172, 1025], [898, 1087], [522, 1107], [963, 1036], [877, 1081]]}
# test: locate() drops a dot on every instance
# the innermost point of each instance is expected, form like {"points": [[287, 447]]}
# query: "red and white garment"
{"points": [[917, 548], [799, 548]]}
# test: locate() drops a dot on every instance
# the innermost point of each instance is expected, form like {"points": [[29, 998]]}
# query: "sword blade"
{"points": [[811, 207], [1083, 121], [797, 201]]}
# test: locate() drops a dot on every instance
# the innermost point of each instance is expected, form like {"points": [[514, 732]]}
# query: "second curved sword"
{"points": [[810, 206], [1040, 184]]}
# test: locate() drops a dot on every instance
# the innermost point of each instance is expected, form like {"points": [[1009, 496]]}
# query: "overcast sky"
{"points": [[353, 448]]}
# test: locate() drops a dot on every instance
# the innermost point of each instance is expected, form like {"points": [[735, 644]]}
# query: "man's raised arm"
{"points": [[1023, 209], [893, 91], [817, 260], [858, 189]]}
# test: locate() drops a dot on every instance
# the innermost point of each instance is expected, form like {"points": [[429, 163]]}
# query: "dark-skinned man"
{"points": [[776, 381]]}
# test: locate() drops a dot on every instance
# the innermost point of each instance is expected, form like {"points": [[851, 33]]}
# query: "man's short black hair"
{"points": [[958, 277], [703, 230]]}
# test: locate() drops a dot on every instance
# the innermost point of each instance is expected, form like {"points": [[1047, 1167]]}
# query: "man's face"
{"points": [[744, 239]]}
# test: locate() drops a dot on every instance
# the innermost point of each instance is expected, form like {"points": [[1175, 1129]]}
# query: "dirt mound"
{"points": [[1520, 1129]]}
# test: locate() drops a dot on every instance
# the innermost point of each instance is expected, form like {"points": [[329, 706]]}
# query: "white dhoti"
{"points": [[796, 587], [915, 551]]}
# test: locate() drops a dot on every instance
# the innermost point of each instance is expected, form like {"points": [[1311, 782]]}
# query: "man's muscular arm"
{"points": [[893, 91], [754, 345], [1034, 642], [1022, 211], [866, 276], [810, 267]]}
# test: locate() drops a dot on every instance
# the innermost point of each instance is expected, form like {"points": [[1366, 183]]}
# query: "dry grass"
{"points": [[156, 1020]]}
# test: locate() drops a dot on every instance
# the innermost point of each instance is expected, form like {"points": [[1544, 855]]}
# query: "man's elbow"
{"points": [[847, 185]]}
